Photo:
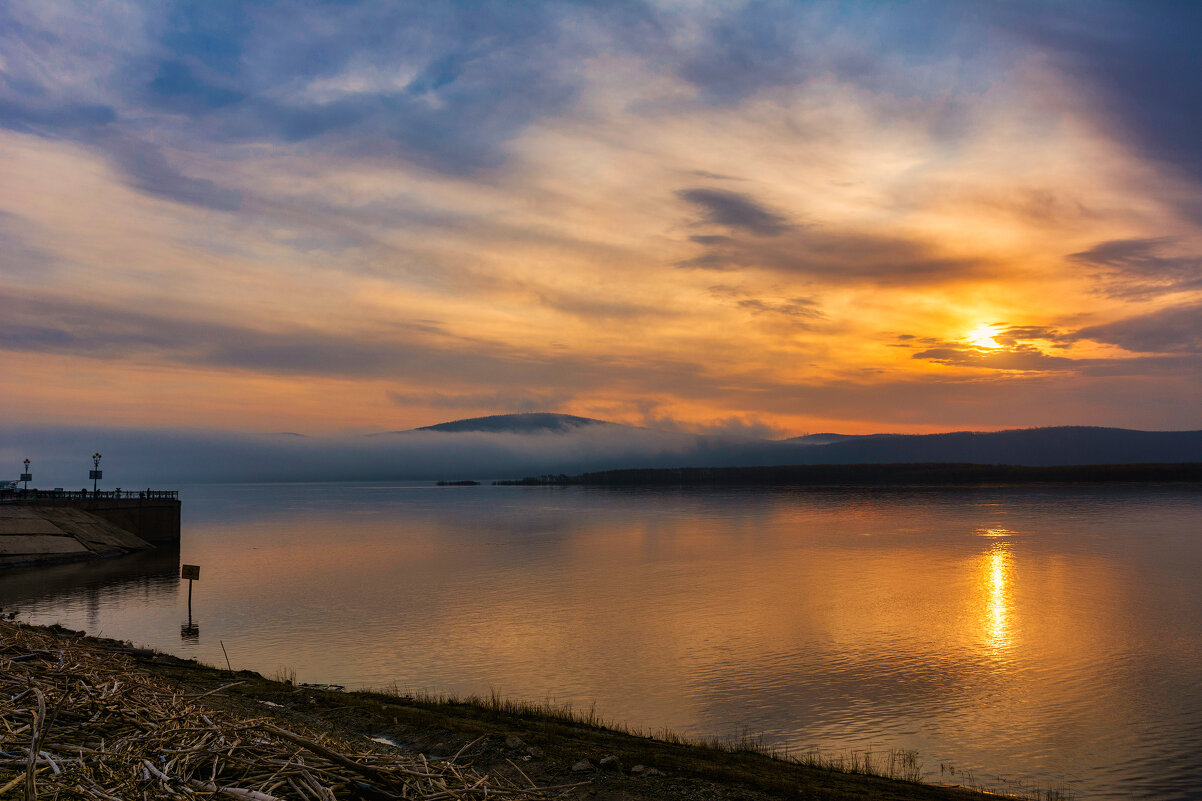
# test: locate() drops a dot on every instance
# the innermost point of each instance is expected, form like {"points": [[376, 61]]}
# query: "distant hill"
{"points": [[823, 439], [530, 423], [1064, 445]]}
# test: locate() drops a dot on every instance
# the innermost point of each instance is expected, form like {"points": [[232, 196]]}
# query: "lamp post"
{"points": [[26, 476], [96, 473]]}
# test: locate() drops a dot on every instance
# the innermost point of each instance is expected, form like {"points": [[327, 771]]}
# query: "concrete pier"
{"points": [[42, 527]]}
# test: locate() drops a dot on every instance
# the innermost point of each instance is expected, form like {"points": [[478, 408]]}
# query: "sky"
{"points": [[761, 218]]}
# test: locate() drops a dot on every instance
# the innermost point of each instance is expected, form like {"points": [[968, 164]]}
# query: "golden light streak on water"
{"points": [[999, 606]]}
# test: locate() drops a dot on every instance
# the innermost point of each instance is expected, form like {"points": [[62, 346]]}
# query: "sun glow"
{"points": [[983, 337]]}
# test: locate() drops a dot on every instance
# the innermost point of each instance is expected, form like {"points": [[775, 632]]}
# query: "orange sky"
{"points": [[957, 239]]}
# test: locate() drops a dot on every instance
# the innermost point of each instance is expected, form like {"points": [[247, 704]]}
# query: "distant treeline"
{"points": [[931, 474]]}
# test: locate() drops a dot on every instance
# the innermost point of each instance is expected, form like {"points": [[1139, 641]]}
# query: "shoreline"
{"points": [[520, 744], [900, 475]]}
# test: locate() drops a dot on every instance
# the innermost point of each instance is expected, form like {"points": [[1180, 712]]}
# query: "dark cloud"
{"points": [[838, 256], [734, 210], [1140, 63], [1011, 336], [148, 170], [1022, 357], [1177, 329], [1141, 268]]}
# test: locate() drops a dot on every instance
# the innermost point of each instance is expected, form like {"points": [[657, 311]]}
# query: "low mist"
{"points": [[61, 457]]}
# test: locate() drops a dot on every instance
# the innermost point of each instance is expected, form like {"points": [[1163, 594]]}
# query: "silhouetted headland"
{"points": [[904, 474]]}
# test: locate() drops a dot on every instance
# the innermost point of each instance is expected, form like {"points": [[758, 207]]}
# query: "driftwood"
{"points": [[77, 721]]}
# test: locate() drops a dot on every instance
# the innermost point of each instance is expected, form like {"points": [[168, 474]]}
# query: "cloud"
{"points": [[1138, 63], [753, 47], [529, 174], [1177, 329], [1016, 351], [18, 255], [149, 171], [177, 88], [1140, 268], [415, 350], [1021, 357], [839, 256], [444, 86], [1012, 335], [736, 211], [32, 117], [797, 309]]}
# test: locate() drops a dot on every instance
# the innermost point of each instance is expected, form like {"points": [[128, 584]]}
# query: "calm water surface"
{"points": [[1050, 636]]}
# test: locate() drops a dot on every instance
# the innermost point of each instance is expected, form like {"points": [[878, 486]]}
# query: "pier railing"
{"points": [[11, 495]]}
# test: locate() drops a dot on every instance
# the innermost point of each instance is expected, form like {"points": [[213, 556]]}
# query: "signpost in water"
{"points": [[191, 573]]}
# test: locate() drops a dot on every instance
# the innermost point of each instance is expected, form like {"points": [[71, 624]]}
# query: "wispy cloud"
{"points": [[1142, 268], [1176, 329]]}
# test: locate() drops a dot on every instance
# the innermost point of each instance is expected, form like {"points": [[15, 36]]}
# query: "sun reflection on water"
{"points": [[999, 567], [997, 573]]}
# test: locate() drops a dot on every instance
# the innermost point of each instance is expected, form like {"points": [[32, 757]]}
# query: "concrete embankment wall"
{"points": [[36, 534], [156, 521], [45, 530]]}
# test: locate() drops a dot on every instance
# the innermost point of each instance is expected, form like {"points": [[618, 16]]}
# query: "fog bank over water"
{"points": [[133, 458], [509, 446]]}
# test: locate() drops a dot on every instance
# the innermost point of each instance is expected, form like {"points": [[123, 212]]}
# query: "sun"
{"points": [[983, 337]]}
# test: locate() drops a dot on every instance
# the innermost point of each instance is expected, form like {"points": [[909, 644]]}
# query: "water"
{"points": [[1046, 636]]}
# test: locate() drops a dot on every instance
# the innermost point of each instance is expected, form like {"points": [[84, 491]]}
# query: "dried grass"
{"points": [[77, 721]]}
